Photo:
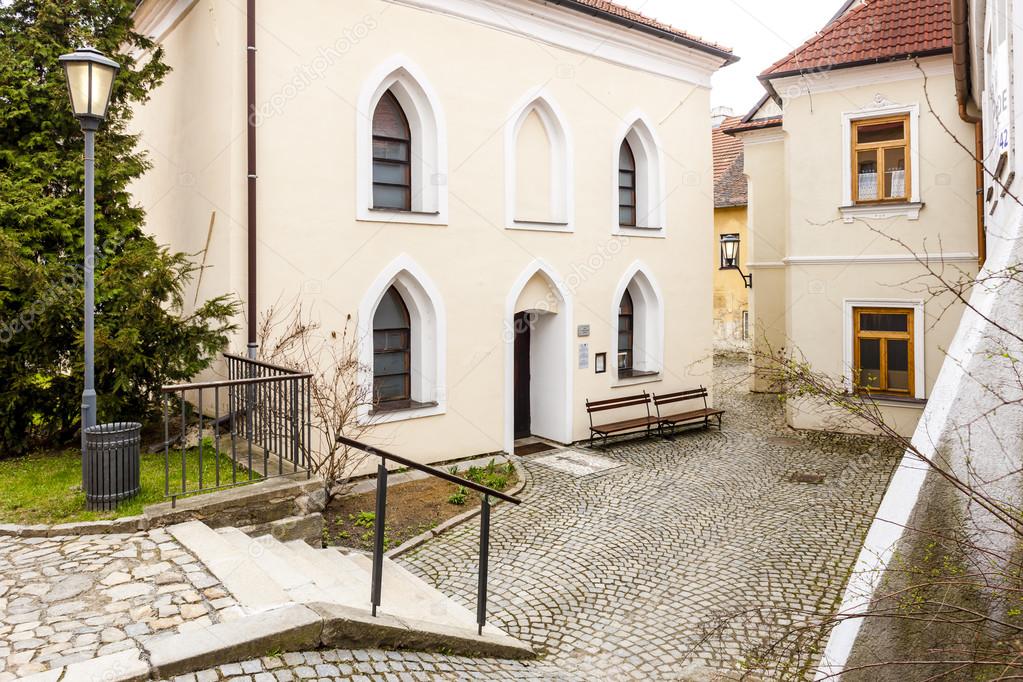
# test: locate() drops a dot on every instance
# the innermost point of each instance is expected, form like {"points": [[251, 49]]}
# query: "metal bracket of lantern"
{"points": [[730, 258], [90, 80]]}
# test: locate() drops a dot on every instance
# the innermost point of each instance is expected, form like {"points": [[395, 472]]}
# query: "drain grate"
{"points": [[806, 477]]}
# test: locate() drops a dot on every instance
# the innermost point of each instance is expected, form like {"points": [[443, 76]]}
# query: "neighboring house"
{"points": [[852, 178], [498, 193], [731, 298], [973, 423]]}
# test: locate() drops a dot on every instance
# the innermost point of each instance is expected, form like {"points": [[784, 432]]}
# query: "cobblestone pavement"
{"points": [[674, 566], [68, 599]]}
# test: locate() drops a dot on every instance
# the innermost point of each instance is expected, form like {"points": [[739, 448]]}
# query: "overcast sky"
{"points": [[758, 31]]}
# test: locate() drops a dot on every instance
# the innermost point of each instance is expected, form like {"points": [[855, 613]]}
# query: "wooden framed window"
{"points": [[392, 162], [880, 158], [883, 351], [626, 334], [626, 186], [392, 350]]}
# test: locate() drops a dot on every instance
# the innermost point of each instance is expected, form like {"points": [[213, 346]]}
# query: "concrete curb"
{"points": [[413, 543], [206, 506], [294, 627]]}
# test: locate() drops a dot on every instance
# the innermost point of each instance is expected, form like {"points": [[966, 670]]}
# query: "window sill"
{"points": [[631, 231], [881, 210], [892, 400], [402, 411], [636, 378], [390, 215], [540, 226], [400, 405]]}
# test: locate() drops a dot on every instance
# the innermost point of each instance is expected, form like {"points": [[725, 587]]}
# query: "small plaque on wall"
{"points": [[600, 363], [584, 355], [583, 330]]}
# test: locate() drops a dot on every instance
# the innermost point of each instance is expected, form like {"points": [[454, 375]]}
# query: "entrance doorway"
{"points": [[523, 418]]}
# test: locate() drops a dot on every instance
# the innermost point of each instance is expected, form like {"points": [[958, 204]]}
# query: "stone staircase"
{"points": [[264, 574]]}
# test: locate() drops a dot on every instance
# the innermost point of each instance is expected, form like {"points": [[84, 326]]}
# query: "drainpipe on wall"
{"points": [[961, 71], [250, 120]]}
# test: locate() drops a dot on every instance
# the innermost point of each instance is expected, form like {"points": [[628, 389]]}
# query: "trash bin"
{"points": [[110, 468]]}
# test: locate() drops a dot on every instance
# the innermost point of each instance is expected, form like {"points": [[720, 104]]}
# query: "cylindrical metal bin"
{"points": [[112, 462]]}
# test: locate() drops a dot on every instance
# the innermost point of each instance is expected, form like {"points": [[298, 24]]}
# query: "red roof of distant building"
{"points": [[729, 179], [613, 9], [873, 31]]}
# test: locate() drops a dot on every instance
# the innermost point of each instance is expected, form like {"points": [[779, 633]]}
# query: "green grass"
{"points": [[45, 487]]}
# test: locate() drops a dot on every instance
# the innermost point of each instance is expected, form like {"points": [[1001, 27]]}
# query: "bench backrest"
{"points": [[681, 396], [618, 403]]}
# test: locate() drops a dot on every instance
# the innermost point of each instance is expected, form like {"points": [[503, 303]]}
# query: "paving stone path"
{"points": [[673, 562], [674, 565], [68, 599]]}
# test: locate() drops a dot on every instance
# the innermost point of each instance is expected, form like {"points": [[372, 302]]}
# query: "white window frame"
{"points": [[909, 208], [428, 340], [648, 325], [919, 349], [561, 172], [429, 149], [651, 213]]}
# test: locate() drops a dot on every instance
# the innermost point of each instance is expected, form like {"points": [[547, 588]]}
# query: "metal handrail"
{"points": [[379, 521], [425, 468], [227, 383], [260, 363]]}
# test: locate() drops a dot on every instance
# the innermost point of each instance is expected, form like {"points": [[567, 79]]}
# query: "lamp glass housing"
{"points": [[729, 252], [90, 80]]}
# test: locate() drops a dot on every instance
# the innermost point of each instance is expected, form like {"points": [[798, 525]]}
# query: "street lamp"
{"points": [[90, 79], [730, 257]]}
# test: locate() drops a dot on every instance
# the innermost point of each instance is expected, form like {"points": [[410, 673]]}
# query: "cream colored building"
{"points": [[452, 174], [852, 178]]}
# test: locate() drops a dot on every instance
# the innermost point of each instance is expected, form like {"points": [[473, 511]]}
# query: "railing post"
{"points": [[481, 591], [380, 521]]}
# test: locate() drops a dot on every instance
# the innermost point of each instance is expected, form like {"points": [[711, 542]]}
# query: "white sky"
{"points": [[760, 32]]}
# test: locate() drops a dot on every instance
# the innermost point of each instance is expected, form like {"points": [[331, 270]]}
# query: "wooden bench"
{"points": [[635, 425], [680, 418]]}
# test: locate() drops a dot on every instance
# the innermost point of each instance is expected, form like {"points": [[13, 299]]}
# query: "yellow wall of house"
{"points": [[312, 247], [730, 294]]}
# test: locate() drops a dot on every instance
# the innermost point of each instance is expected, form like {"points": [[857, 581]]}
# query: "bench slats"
{"points": [[694, 414], [626, 425], [623, 401]]}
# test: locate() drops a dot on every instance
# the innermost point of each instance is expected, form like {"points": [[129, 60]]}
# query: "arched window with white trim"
{"points": [[639, 182], [639, 316], [402, 336], [538, 189], [402, 147]]}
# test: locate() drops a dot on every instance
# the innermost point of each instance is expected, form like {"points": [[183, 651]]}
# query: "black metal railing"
{"points": [[260, 421], [381, 516]]}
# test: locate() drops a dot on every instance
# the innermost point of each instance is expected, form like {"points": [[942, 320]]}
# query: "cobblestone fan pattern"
{"points": [[68, 599], [675, 566]]}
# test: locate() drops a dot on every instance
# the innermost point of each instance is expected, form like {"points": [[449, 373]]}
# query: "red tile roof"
{"points": [[729, 179], [754, 124], [874, 31], [626, 15]]}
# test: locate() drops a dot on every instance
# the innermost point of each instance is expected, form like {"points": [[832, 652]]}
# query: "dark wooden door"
{"points": [[522, 417]]}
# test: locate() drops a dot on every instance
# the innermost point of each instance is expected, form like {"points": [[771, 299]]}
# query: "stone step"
{"points": [[240, 572], [279, 563], [412, 598], [344, 581]]}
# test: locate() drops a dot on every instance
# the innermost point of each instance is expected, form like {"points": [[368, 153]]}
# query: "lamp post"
{"points": [[90, 79], [730, 257]]}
